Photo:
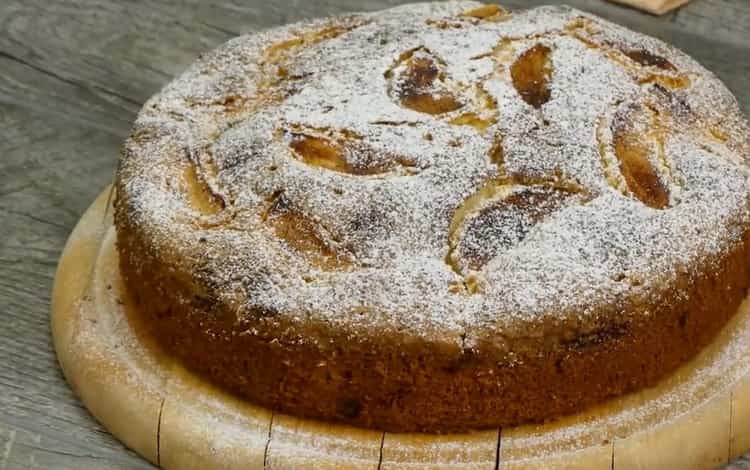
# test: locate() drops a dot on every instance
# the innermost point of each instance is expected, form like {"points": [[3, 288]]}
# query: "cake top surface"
{"points": [[443, 170]]}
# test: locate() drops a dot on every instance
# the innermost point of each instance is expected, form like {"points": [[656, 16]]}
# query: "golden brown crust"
{"points": [[398, 387]]}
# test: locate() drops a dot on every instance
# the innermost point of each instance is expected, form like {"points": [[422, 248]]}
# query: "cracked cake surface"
{"points": [[437, 217]]}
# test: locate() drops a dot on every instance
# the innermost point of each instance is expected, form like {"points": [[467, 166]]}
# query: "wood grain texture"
{"points": [[72, 76]]}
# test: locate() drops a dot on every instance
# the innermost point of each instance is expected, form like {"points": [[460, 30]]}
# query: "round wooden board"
{"points": [[698, 418]]}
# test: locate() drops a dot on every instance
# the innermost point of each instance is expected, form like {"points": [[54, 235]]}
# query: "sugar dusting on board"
{"points": [[321, 170]]}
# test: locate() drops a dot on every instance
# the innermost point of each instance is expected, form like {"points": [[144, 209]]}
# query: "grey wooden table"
{"points": [[73, 74]]}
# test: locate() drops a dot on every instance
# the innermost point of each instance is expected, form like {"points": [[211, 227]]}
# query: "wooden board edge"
{"points": [[134, 417], [301, 443], [203, 427], [73, 272], [698, 440]]}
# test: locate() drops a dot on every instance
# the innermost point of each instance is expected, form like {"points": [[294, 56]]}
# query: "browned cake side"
{"points": [[438, 217], [392, 386]]}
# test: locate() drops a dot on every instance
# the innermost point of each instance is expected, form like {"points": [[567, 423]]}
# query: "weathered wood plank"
{"points": [[43, 192], [120, 63], [72, 76], [726, 21], [742, 463], [31, 450]]}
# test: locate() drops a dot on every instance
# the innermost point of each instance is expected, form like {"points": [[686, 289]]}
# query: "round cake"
{"points": [[438, 217]]}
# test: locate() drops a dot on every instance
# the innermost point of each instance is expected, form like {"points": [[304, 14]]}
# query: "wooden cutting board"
{"points": [[657, 7]]}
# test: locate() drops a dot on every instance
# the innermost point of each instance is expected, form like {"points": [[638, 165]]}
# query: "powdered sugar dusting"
{"points": [[234, 114]]}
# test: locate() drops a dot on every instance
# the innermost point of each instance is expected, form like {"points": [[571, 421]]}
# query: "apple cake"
{"points": [[437, 217]]}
